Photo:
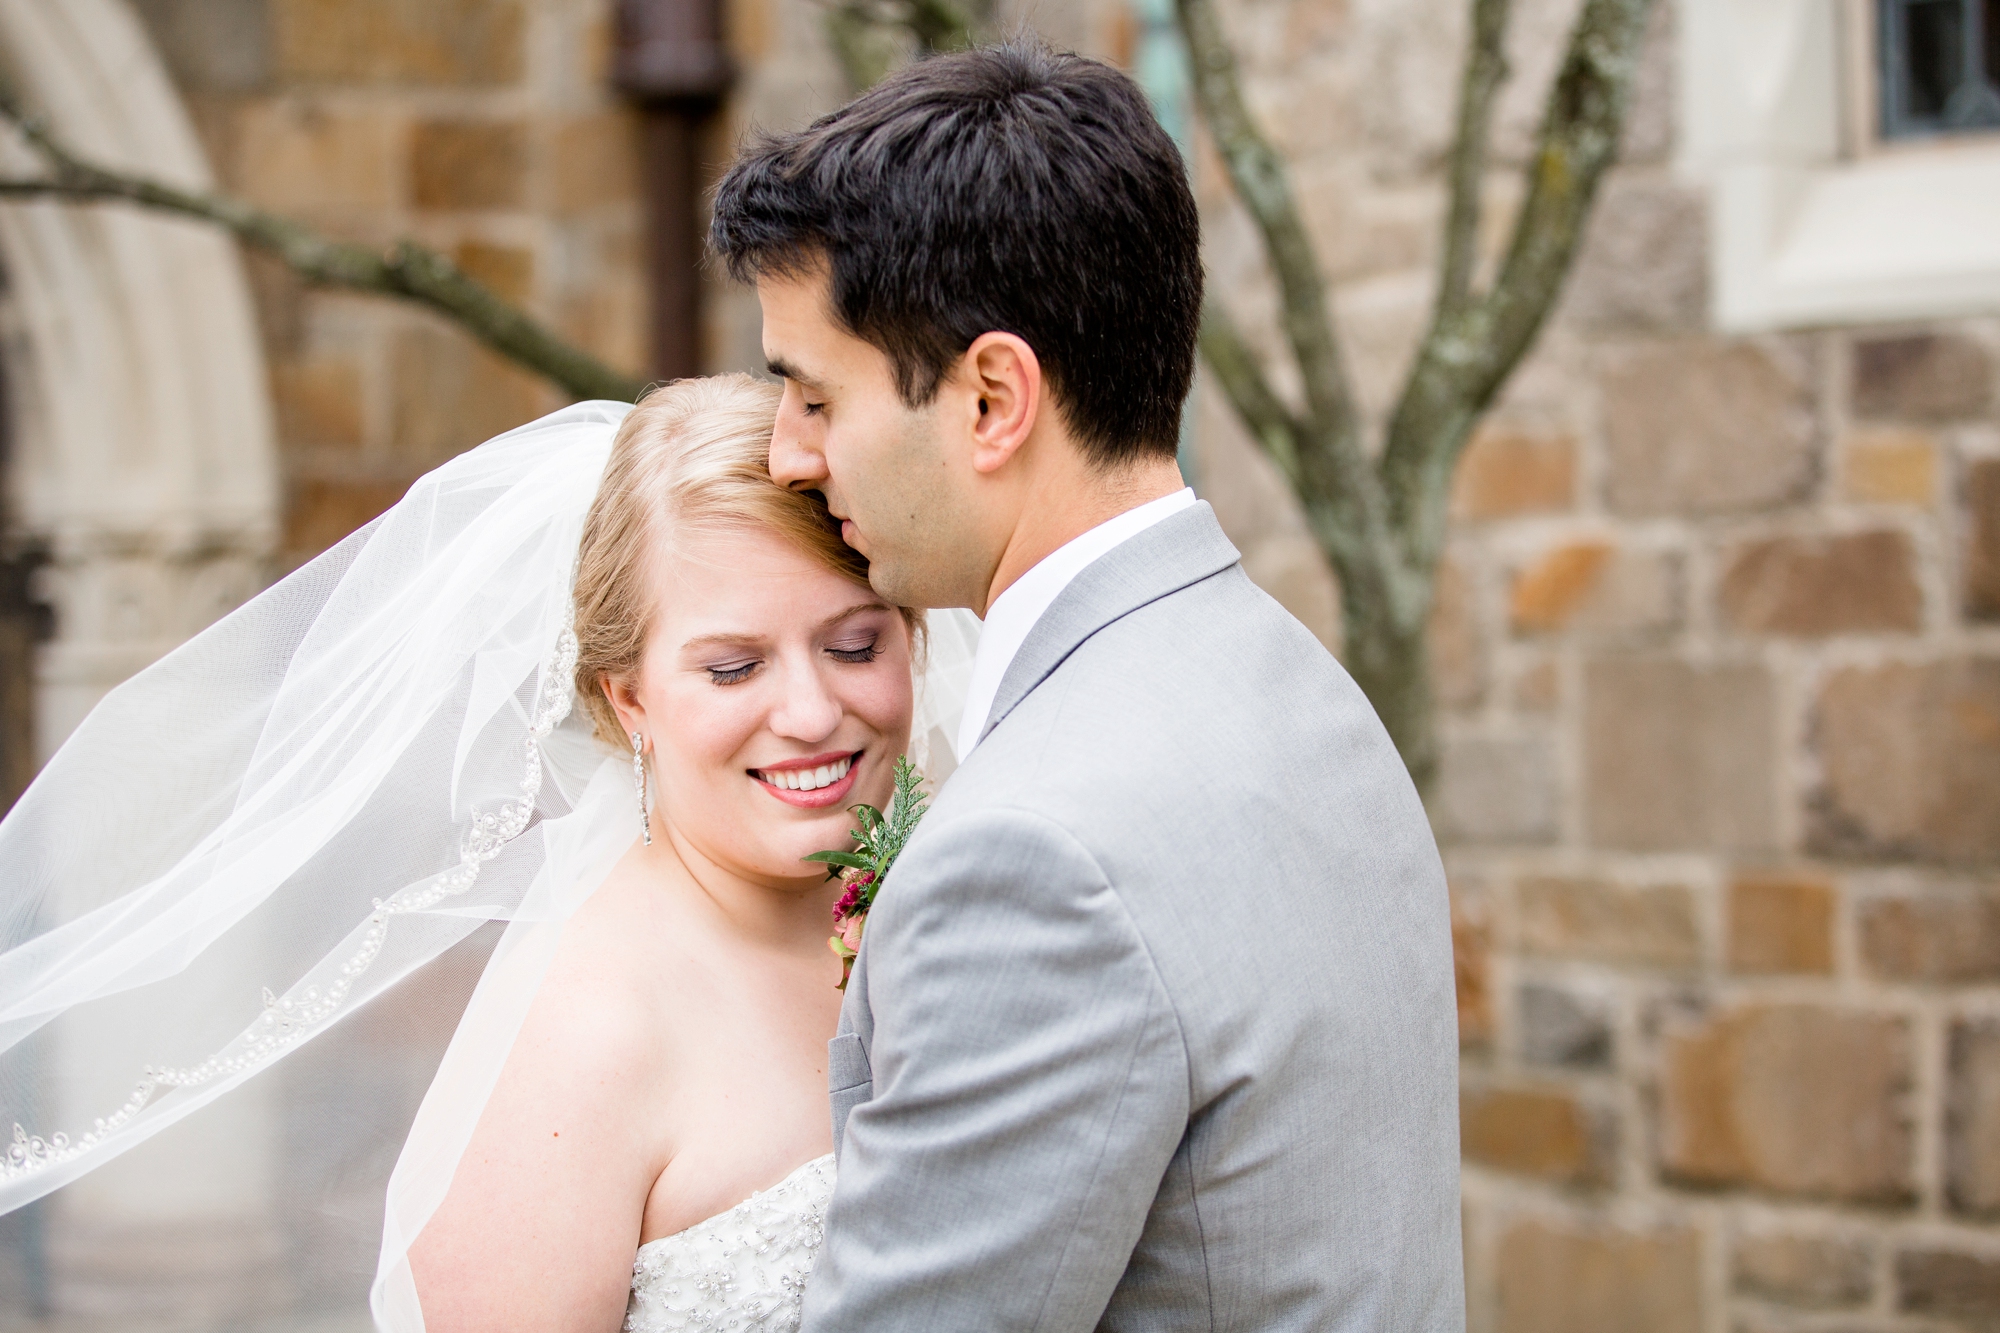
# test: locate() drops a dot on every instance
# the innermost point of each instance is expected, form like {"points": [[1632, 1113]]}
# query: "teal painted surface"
{"points": [[1160, 64]]}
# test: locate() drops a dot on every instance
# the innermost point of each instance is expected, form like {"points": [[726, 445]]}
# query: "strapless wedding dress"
{"points": [[744, 1270]]}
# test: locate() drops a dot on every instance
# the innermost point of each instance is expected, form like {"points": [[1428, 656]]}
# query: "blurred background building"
{"points": [[1719, 633]]}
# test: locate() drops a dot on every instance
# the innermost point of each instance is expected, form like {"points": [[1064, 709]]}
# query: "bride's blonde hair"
{"points": [[696, 454]]}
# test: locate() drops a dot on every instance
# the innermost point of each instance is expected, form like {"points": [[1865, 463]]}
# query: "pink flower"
{"points": [[848, 902], [850, 931]]}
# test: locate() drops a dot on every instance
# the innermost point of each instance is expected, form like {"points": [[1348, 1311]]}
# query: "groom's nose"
{"points": [[796, 461]]}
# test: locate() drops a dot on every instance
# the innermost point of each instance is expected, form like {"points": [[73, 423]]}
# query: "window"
{"points": [[1939, 63], [1824, 210]]}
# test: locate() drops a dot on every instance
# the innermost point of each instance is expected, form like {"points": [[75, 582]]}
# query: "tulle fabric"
{"points": [[328, 789]]}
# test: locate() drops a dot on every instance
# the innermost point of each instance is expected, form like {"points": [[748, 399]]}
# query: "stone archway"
{"points": [[142, 476], [143, 455]]}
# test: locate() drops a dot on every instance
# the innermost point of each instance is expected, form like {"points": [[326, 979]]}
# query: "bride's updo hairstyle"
{"points": [[693, 455]]}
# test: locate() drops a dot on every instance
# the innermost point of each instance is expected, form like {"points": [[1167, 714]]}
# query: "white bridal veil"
{"points": [[305, 804]]}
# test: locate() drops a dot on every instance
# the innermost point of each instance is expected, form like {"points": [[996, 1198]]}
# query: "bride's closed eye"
{"points": [[863, 650], [731, 674]]}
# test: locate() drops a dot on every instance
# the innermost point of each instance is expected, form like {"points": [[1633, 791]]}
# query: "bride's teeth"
{"points": [[808, 779]]}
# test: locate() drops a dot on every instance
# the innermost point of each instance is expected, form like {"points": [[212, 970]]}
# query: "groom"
{"points": [[1153, 1027]]}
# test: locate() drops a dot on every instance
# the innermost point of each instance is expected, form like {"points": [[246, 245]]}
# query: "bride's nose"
{"points": [[806, 709]]}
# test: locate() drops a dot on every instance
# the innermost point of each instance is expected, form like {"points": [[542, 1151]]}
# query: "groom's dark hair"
{"points": [[1010, 188]]}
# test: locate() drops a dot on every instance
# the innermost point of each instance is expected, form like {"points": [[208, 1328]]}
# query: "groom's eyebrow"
{"points": [[785, 370]]}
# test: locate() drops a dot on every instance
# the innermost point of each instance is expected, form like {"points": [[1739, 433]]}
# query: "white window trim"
{"points": [[1805, 231]]}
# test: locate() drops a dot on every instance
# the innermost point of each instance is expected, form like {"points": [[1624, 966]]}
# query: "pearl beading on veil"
{"points": [[288, 1020]]}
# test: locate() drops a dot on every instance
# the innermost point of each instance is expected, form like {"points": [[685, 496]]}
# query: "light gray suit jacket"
{"points": [[1153, 1025]]}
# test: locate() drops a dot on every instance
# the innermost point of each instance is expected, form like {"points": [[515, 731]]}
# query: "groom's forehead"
{"points": [[805, 343], [797, 315]]}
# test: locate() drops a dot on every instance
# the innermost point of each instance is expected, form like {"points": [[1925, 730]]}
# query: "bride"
{"points": [[601, 679]]}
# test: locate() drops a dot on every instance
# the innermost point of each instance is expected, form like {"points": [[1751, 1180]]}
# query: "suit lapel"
{"points": [[1163, 559]]}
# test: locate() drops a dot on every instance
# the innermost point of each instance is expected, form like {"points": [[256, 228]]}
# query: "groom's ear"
{"points": [[1002, 383]]}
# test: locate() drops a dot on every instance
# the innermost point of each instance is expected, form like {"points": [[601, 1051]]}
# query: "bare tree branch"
{"points": [[405, 269], [862, 32], [1466, 358], [1242, 378], [1579, 142], [1485, 71], [1263, 185]]}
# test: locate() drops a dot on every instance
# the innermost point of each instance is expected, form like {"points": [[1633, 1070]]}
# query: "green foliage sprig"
{"points": [[878, 842]]}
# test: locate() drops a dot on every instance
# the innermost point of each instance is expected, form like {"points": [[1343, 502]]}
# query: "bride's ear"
{"points": [[624, 702], [1006, 380]]}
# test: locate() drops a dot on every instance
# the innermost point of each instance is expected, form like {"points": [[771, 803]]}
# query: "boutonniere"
{"points": [[877, 844]]}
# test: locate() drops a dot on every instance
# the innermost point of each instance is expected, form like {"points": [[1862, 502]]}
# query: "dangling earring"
{"points": [[639, 781]]}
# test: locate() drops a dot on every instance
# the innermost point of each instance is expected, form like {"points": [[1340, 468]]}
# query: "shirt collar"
{"points": [[1015, 611]]}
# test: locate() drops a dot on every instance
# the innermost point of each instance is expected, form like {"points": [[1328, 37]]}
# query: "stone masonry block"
{"points": [[1942, 934], [1781, 924], [303, 159], [1644, 262], [1950, 1284], [1546, 594], [468, 164], [318, 402], [1812, 587], [1562, 1028], [1595, 920], [1591, 1278], [596, 162], [1705, 428], [1496, 790], [1982, 553], [1814, 1272], [1472, 962], [437, 43], [1543, 1132], [1889, 465], [1910, 761], [1972, 1141], [1922, 377], [450, 393], [1594, 587], [1678, 755], [322, 512], [1537, 688], [508, 270], [1506, 471], [1793, 1099], [1457, 642]]}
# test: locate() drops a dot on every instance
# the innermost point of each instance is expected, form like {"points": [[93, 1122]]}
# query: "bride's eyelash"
{"points": [[866, 653], [730, 675]]}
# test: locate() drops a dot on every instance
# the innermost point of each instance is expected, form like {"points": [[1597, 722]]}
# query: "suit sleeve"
{"points": [[1030, 1090]]}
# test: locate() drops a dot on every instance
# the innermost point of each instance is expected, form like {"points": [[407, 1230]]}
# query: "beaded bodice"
{"points": [[744, 1270]]}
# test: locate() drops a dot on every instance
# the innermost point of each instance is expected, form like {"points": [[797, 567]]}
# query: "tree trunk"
{"points": [[1390, 661]]}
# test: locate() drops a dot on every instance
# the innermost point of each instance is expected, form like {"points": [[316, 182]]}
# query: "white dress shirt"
{"points": [[1015, 611]]}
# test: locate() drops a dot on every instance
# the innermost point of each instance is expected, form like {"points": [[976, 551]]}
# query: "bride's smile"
{"points": [[810, 783], [776, 696]]}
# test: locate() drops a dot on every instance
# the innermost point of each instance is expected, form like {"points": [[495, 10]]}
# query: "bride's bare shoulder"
{"points": [[601, 995]]}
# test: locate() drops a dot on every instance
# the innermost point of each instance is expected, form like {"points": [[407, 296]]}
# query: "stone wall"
{"points": [[1719, 641], [484, 128], [1718, 635]]}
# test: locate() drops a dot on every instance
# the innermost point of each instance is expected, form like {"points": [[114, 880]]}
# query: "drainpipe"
{"points": [[671, 61]]}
